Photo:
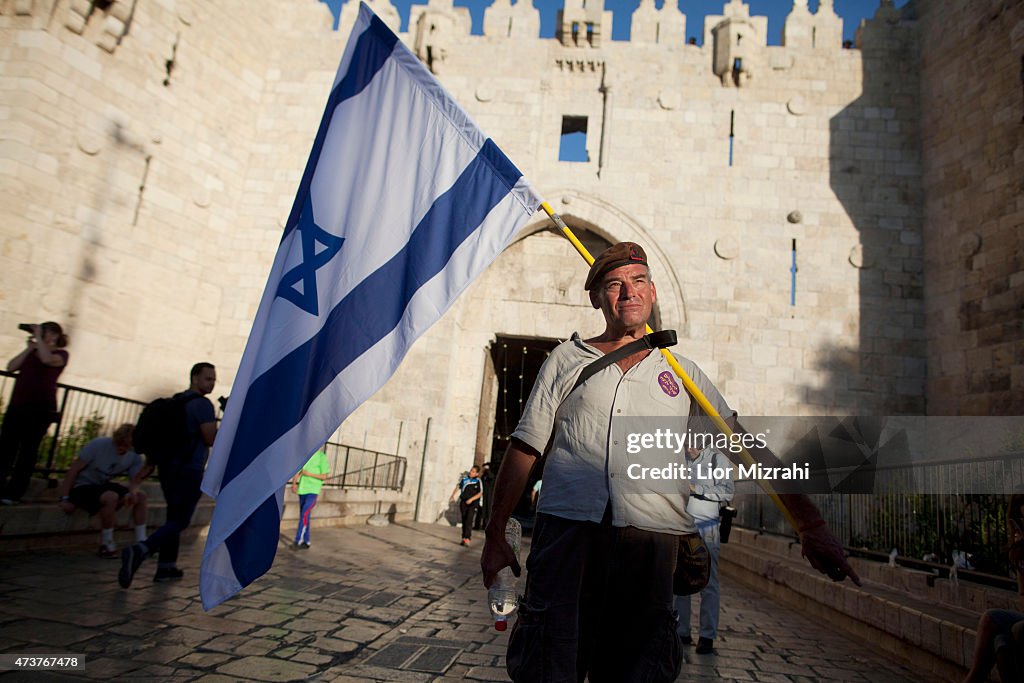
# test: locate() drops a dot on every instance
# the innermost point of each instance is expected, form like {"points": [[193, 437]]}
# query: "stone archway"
{"points": [[612, 224]]}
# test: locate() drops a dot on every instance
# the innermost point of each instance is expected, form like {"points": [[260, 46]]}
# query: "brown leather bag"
{"points": [[693, 565]]}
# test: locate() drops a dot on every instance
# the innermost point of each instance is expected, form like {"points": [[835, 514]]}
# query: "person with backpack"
{"points": [[712, 488], [187, 420], [469, 491]]}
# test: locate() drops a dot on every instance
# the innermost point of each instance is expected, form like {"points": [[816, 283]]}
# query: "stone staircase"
{"points": [[926, 620]]}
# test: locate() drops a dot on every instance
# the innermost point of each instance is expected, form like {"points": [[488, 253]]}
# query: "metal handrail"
{"points": [[83, 414]]}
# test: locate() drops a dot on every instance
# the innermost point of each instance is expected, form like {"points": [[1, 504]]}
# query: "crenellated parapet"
{"points": [[665, 26], [820, 31], [582, 23], [879, 31], [435, 28], [505, 20]]}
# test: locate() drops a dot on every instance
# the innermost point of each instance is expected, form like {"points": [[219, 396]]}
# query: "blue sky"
{"points": [[852, 11]]}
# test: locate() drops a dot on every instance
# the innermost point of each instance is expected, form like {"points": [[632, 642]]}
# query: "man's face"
{"points": [[122, 445], [474, 472], [204, 381], [626, 296]]}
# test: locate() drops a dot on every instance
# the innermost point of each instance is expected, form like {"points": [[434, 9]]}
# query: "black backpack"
{"points": [[161, 434]]}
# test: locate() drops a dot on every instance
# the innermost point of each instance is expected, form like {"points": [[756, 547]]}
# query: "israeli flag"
{"points": [[402, 204]]}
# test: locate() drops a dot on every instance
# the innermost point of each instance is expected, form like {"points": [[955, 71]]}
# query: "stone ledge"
{"points": [[891, 611], [37, 522]]}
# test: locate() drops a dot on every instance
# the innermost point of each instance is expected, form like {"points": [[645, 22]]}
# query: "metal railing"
{"points": [[359, 468], [933, 528], [84, 414]]}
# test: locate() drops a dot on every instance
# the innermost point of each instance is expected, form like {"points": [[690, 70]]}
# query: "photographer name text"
{"points": [[702, 472]]}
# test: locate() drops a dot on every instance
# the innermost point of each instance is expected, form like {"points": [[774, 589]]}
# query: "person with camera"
{"points": [[709, 491], [32, 407]]}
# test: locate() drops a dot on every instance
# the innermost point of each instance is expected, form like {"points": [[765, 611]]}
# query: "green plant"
{"points": [[70, 441]]}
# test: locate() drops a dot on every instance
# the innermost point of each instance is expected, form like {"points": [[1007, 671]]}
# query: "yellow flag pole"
{"points": [[691, 387]]}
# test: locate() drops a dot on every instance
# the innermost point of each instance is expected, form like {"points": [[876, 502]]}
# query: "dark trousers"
{"points": [[23, 429], [598, 602], [182, 492], [468, 512]]}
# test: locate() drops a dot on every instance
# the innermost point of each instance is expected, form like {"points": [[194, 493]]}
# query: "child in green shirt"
{"points": [[307, 485]]}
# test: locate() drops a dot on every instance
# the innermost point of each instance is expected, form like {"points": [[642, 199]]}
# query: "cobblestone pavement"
{"points": [[399, 603]]}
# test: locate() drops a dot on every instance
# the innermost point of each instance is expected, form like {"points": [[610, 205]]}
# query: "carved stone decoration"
{"points": [[797, 105], [795, 217], [669, 99], [970, 244], [89, 142], [727, 248], [861, 258], [201, 197], [484, 92]]}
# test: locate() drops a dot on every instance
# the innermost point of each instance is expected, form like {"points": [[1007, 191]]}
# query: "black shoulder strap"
{"points": [[660, 340], [188, 398]]}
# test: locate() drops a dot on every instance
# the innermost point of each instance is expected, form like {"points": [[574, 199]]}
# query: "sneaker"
{"points": [[108, 553], [465, 541], [304, 546], [167, 574], [705, 646], [8, 501], [686, 640], [131, 558]]}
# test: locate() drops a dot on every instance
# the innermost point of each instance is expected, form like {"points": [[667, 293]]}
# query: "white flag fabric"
{"points": [[402, 204]]}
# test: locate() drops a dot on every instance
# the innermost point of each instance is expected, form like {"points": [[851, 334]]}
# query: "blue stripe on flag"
{"points": [[250, 547], [500, 163], [276, 402], [372, 51]]}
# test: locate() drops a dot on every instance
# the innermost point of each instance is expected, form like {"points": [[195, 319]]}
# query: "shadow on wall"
{"points": [[875, 172], [124, 154]]}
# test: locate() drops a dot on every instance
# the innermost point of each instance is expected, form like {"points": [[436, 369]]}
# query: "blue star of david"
{"points": [[312, 260]]}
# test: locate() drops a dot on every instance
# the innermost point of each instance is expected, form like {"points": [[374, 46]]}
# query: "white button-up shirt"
{"points": [[586, 464]]}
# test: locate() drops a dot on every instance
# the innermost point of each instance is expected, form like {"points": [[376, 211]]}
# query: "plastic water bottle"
{"points": [[501, 596]]}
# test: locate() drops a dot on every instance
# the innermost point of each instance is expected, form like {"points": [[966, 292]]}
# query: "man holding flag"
{"points": [[355, 282], [599, 594]]}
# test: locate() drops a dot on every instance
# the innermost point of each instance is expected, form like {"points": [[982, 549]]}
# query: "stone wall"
{"points": [[150, 152], [972, 130]]}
